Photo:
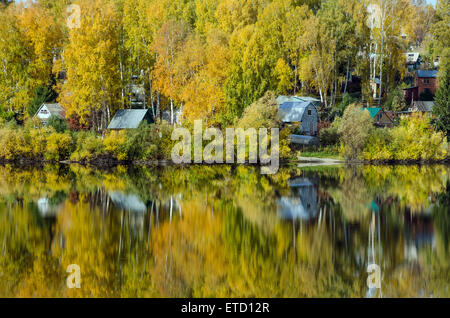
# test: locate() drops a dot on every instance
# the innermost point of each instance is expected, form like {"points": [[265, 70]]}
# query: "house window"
{"points": [[309, 112], [426, 81]]}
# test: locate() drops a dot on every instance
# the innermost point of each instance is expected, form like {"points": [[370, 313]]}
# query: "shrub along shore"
{"points": [[413, 140]]}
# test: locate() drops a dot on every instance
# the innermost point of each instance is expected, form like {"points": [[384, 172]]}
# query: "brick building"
{"points": [[426, 82], [424, 86]]}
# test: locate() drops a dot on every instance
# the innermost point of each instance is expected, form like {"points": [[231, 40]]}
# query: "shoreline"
{"points": [[301, 161]]}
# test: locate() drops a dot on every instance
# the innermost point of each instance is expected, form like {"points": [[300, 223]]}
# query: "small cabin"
{"points": [[130, 118], [381, 118], [302, 112], [48, 110], [413, 61]]}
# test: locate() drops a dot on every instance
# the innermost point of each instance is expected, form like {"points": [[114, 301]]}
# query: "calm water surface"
{"points": [[225, 231]]}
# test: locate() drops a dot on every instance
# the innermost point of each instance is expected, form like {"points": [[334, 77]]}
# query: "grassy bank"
{"points": [[331, 152]]}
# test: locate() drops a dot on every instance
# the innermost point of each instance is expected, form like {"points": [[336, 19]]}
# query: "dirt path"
{"points": [[312, 161]]}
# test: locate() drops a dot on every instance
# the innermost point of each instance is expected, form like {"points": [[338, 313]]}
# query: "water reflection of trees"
{"points": [[217, 231]]}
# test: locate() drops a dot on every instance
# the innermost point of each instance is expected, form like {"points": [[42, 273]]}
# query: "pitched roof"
{"points": [[427, 73], [303, 140], [127, 118], [390, 114], [290, 112], [54, 109], [282, 99], [307, 99], [373, 111], [412, 57], [424, 106]]}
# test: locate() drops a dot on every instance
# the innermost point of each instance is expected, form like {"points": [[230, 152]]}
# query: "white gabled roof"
{"points": [[55, 109]]}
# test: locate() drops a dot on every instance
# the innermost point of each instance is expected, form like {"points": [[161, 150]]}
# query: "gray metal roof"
{"points": [[304, 140], [127, 118], [54, 109], [283, 99], [427, 73], [424, 106], [290, 112]]}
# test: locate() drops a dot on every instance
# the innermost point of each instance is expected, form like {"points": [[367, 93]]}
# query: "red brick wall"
{"points": [[422, 84]]}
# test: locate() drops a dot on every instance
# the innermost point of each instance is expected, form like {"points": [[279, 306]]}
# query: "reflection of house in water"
{"points": [[130, 203], [302, 204], [158, 209], [48, 209], [419, 233], [127, 202]]}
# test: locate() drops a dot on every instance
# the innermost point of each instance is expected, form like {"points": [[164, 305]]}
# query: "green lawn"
{"points": [[328, 152]]}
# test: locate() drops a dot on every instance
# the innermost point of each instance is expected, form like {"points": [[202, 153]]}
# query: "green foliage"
{"points": [[347, 100], [59, 146], [60, 125], [377, 147], [354, 129], [6, 115], [34, 142], [261, 113], [88, 146], [115, 145], [413, 139], [442, 103], [329, 136], [395, 100], [42, 94], [150, 142]]}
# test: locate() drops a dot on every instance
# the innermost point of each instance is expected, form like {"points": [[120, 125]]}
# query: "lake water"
{"points": [[225, 231]]}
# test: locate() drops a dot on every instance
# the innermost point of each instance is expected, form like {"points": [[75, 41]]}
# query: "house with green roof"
{"points": [[130, 118], [381, 118]]}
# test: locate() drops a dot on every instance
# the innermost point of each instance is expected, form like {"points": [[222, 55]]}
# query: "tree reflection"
{"points": [[224, 231]]}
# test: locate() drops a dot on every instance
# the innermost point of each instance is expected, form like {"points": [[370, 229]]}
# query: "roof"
{"points": [[308, 99], [373, 111], [54, 109], [424, 106], [390, 114], [127, 118], [290, 112], [412, 57], [282, 99], [303, 140], [427, 73]]}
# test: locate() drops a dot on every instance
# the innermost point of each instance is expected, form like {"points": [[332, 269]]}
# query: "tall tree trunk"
{"points": [[158, 106], [151, 92], [347, 75], [171, 111], [295, 80], [381, 63], [122, 86]]}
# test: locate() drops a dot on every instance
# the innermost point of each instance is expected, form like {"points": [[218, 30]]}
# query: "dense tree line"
{"points": [[211, 58]]}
